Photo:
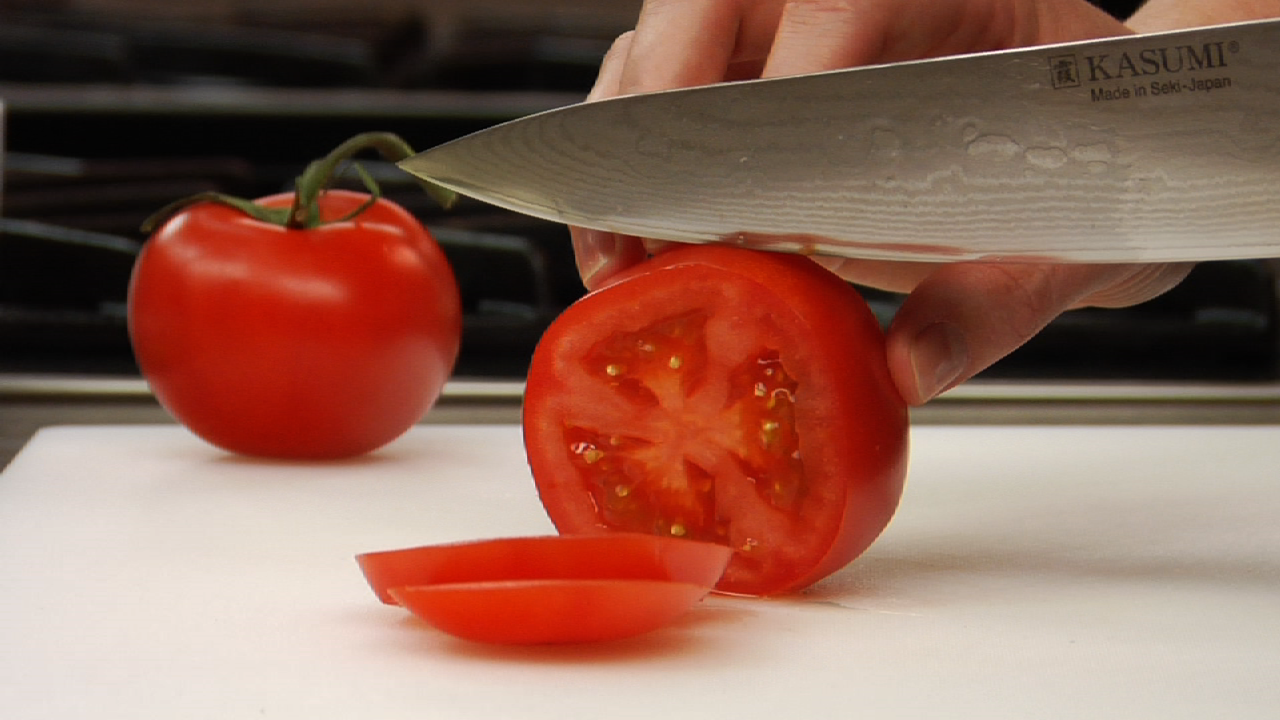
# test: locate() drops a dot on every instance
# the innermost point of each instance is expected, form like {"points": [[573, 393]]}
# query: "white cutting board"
{"points": [[1032, 572]]}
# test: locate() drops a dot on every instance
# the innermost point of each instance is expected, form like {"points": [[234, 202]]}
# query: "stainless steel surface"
{"points": [[29, 402], [1142, 148]]}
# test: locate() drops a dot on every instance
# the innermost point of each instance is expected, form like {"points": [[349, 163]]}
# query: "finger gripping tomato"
{"points": [[722, 395], [314, 324]]}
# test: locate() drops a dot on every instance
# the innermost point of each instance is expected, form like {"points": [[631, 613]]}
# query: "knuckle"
{"points": [[816, 11], [1140, 284], [1034, 295]]}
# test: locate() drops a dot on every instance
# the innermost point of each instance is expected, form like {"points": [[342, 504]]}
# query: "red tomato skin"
{"points": [[615, 556], [553, 612], [303, 344], [854, 430]]}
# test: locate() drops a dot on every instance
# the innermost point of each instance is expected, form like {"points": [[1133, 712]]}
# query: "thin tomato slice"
{"points": [[548, 589], [527, 612], [606, 556]]}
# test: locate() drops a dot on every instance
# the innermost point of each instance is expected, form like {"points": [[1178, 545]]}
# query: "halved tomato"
{"points": [[723, 395], [550, 589]]}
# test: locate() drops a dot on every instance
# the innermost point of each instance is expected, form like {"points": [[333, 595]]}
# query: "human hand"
{"points": [[958, 318]]}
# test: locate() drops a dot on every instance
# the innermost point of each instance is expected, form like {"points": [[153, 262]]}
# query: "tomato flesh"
{"points": [[634, 481], [725, 396]]}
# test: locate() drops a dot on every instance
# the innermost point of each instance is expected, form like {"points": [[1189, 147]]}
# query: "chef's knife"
{"points": [[1156, 147]]}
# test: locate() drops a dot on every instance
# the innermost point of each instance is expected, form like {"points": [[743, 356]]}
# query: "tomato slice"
{"points": [[526, 612], [611, 556], [567, 588], [728, 396]]}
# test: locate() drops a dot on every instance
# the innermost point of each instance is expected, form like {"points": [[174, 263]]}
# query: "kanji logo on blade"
{"points": [[1065, 70]]}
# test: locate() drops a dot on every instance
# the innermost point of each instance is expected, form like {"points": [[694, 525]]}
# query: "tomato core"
{"points": [[661, 481]]}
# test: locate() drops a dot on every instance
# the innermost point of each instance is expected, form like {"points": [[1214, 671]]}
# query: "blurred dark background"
{"points": [[115, 108]]}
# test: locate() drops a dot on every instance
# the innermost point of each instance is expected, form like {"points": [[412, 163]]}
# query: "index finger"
{"points": [[683, 43]]}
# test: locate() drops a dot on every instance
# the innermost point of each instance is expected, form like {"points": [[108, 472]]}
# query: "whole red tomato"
{"points": [[727, 396], [322, 342]]}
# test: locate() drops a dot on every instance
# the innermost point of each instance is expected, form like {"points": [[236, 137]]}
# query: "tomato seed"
{"points": [[769, 432], [779, 395]]}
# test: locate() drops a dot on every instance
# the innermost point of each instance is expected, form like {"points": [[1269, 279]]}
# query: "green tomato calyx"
{"points": [[312, 183]]}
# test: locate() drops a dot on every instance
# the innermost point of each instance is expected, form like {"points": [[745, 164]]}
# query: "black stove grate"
{"points": [[109, 118]]}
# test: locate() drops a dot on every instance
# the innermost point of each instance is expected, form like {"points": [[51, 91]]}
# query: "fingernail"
{"points": [[828, 262], [597, 89], [594, 250], [611, 67], [939, 354]]}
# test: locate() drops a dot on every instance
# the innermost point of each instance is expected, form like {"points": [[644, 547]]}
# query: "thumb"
{"points": [[964, 317], [600, 255]]}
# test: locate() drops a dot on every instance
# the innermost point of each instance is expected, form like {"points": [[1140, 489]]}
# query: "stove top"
{"points": [[112, 113]]}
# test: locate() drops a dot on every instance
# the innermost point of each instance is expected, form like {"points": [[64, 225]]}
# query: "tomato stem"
{"points": [[319, 174], [311, 184]]}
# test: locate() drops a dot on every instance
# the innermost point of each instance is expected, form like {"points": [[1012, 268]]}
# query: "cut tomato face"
{"points": [[552, 589], [727, 396]]}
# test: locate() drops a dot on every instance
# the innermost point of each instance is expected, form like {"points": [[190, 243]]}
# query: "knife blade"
{"points": [[1160, 147]]}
